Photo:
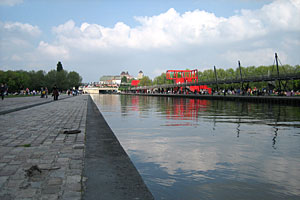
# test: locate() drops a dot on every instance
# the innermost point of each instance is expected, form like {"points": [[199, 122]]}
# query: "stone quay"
{"points": [[62, 150]]}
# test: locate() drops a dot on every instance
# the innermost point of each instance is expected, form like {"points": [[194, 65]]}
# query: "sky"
{"points": [[106, 37]]}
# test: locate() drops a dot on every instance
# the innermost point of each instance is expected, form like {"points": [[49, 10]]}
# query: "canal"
{"points": [[208, 149]]}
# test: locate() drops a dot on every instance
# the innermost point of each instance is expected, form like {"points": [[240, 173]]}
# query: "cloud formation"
{"points": [[196, 27], [10, 2], [194, 39]]}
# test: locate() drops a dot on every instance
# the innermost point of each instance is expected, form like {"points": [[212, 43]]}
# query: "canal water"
{"points": [[202, 149]]}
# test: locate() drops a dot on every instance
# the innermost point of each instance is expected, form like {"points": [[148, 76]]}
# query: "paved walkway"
{"points": [[37, 160], [14, 104]]}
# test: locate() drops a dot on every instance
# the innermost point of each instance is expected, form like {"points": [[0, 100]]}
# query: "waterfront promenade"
{"points": [[291, 100], [40, 159], [34, 137]]}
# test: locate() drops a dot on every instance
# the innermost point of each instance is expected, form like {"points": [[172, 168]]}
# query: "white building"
{"points": [[110, 80], [140, 74]]}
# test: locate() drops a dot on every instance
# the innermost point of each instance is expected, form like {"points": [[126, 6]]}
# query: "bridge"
{"points": [[285, 77], [100, 90], [277, 78]]}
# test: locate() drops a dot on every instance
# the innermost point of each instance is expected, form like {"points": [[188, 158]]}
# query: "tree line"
{"points": [[35, 80], [251, 71]]}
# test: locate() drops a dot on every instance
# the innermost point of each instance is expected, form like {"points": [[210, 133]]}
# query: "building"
{"points": [[140, 74], [126, 74], [110, 80]]}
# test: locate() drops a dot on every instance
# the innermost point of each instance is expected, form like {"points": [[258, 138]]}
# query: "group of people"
{"points": [[55, 92], [44, 91]]}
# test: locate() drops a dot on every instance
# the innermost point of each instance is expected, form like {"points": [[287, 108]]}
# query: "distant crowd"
{"points": [[247, 92], [43, 92]]}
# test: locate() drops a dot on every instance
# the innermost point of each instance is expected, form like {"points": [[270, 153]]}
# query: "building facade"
{"points": [[110, 80], [140, 74]]}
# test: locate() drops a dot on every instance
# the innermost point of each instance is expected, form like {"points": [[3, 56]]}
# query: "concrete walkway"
{"points": [[35, 137], [39, 161], [18, 103]]}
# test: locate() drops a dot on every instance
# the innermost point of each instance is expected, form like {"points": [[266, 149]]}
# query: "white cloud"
{"points": [[197, 27], [16, 41], [194, 39], [10, 2], [19, 30], [253, 57], [54, 51]]}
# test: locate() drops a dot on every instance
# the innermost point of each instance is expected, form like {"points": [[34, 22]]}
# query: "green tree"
{"points": [[23, 79], [74, 79], [124, 79], [207, 75], [51, 79], [162, 79], [61, 80], [145, 81], [37, 80], [59, 66]]}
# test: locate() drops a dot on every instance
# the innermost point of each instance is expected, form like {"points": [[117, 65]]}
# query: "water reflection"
{"points": [[191, 148], [274, 138]]}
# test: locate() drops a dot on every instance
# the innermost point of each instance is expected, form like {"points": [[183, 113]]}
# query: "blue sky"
{"points": [[153, 36], [108, 12]]}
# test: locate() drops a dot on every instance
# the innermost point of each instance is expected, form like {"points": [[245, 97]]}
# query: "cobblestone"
{"points": [[34, 136]]}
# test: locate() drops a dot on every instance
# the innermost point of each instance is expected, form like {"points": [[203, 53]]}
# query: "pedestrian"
{"points": [[55, 93], [42, 92], [46, 92], [2, 90]]}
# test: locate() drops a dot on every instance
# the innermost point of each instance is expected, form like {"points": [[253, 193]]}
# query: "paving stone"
{"points": [[6, 197], [48, 149], [46, 161], [72, 172], [2, 165], [19, 174], [55, 181], [3, 179], [12, 183], [70, 195], [73, 179], [26, 193], [78, 146], [16, 162], [36, 184], [74, 187], [62, 160], [51, 189], [58, 174], [50, 197], [9, 170]]}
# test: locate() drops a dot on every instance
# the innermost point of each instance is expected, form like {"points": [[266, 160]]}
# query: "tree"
{"points": [[124, 79], [145, 81], [74, 79], [37, 80], [51, 79], [61, 80], [59, 67], [162, 79]]}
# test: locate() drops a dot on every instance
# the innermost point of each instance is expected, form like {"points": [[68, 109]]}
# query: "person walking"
{"points": [[42, 92], [2, 91], [46, 92], [55, 93]]}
